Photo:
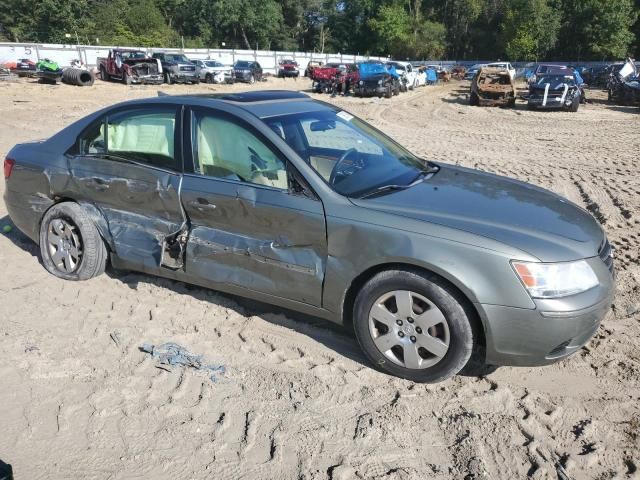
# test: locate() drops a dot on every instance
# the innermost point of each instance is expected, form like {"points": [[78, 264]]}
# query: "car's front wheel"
{"points": [[413, 325], [70, 245]]}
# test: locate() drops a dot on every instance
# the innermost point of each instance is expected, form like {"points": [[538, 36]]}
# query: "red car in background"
{"points": [[25, 67], [334, 77], [288, 68]]}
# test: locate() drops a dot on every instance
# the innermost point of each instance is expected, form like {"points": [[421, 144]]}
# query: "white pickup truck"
{"points": [[408, 75], [212, 71]]}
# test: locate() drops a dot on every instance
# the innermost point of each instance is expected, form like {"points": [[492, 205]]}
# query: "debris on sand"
{"points": [[173, 354]]}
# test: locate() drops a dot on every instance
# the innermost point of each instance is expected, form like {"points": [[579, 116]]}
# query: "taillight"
{"points": [[8, 166]]}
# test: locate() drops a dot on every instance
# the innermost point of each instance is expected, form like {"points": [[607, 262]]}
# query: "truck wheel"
{"points": [[168, 79], [414, 325], [126, 78], [196, 81], [70, 245], [252, 79], [474, 101], [388, 93], [208, 78], [103, 73]]}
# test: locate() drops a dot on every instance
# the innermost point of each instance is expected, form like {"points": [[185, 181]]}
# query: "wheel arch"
{"points": [[97, 217], [462, 293]]}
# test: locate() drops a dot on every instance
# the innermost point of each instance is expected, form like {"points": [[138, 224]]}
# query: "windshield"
{"points": [[555, 80], [476, 66], [132, 55], [351, 156], [176, 58], [213, 63]]}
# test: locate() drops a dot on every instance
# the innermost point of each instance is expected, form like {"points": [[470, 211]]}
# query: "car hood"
{"points": [[515, 213]]}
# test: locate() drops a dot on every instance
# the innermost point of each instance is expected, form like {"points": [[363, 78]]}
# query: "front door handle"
{"points": [[201, 204]]}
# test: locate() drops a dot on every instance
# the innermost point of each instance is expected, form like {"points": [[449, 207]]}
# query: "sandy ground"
{"points": [[298, 400]]}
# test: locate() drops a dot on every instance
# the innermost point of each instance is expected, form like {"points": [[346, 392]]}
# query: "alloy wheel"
{"points": [[64, 245]]}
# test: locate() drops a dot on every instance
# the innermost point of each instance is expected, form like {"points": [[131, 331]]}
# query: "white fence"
{"points": [[65, 54]]}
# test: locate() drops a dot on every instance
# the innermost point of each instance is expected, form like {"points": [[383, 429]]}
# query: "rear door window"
{"points": [[144, 135]]}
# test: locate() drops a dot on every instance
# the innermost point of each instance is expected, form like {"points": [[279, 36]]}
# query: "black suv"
{"points": [[247, 71], [178, 68]]}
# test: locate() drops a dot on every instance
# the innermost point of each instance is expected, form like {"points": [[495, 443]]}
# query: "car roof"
{"points": [[263, 103]]}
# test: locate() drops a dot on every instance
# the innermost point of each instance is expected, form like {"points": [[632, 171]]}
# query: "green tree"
{"points": [[530, 29]]}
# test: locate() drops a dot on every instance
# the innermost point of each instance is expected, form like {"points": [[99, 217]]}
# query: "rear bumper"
{"points": [[554, 330]]}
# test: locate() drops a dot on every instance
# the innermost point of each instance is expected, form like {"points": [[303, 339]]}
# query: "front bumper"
{"points": [[495, 102], [552, 103], [369, 90], [288, 73], [554, 330], [185, 77], [148, 79]]}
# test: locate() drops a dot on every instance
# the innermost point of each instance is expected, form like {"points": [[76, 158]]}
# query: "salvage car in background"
{"points": [[247, 71], [288, 68], [212, 71], [280, 198], [472, 71], [623, 85], [311, 66], [492, 87], [406, 72], [177, 68], [375, 79], [556, 89], [25, 67], [130, 66], [504, 66]]}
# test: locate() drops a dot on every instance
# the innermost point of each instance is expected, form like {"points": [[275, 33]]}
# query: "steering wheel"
{"points": [[336, 168]]}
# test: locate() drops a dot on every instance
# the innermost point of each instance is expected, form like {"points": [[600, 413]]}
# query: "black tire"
{"points": [[252, 79], [389, 92], [93, 258], [196, 81], [208, 78], [168, 79], [440, 293], [575, 105], [474, 100], [126, 79], [103, 73]]}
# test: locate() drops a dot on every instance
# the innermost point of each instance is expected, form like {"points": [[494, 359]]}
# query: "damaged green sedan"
{"points": [[274, 196]]}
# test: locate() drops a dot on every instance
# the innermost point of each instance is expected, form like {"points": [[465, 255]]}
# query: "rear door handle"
{"points": [[202, 204]]}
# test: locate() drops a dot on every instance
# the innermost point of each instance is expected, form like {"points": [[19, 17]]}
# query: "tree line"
{"points": [[517, 30]]}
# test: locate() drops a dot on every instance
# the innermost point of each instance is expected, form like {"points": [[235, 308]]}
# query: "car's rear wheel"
{"points": [[413, 325], [474, 100], [252, 79], [70, 245]]}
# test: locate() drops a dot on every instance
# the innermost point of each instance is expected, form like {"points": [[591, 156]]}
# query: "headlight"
{"points": [[553, 280], [360, 82], [379, 82]]}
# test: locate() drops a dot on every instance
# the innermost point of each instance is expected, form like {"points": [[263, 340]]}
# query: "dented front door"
{"points": [[266, 240]]}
